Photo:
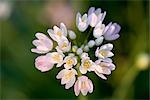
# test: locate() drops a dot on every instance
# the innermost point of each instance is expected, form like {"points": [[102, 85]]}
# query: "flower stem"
{"points": [[81, 97], [86, 39]]}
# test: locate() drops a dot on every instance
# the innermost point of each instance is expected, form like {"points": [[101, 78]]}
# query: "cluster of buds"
{"points": [[59, 50]]}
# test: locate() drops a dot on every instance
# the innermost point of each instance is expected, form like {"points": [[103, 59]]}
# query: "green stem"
{"points": [[86, 39], [81, 97]]}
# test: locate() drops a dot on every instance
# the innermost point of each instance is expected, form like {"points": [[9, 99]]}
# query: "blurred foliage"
{"points": [[21, 80]]}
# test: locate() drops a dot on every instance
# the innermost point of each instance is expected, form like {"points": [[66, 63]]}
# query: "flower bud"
{"points": [[79, 51], [99, 41], [72, 35], [91, 43]]}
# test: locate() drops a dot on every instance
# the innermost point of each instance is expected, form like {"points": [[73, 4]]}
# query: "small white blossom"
{"points": [[95, 16], [82, 22], [104, 51], [99, 30], [74, 48], [72, 35], [43, 44], [83, 85], [57, 33], [70, 61], [86, 65], [67, 77], [91, 43], [103, 68], [64, 45]]}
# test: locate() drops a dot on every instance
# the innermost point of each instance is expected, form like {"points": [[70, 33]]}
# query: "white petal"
{"points": [[101, 75], [63, 28], [38, 51], [91, 10], [61, 74], [70, 83], [76, 88], [77, 18], [91, 86], [82, 70], [108, 46], [92, 20], [110, 54]]}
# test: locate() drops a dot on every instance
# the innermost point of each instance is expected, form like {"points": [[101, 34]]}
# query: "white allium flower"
{"points": [[83, 85], [91, 43], [64, 45], [67, 53], [86, 65], [82, 22], [79, 51], [72, 34], [95, 16], [56, 58], [43, 44], [57, 33], [70, 61], [103, 68], [104, 51], [67, 77], [99, 30], [99, 41]]}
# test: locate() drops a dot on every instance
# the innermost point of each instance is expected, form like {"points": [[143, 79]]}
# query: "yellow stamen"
{"points": [[103, 53], [69, 62], [87, 64], [56, 57], [68, 75], [59, 33]]}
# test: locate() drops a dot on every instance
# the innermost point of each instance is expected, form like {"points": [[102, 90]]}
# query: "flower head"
{"points": [[84, 85], [75, 56]]}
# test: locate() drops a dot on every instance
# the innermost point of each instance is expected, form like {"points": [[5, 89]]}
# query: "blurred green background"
{"points": [[21, 19]]}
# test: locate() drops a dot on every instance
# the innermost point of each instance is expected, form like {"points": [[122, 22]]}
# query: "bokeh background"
{"points": [[21, 19]]}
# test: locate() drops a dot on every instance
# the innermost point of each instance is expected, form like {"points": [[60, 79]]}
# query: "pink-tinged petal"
{"points": [[98, 11], [92, 19], [40, 36], [63, 28], [36, 42], [106, 71], [110, 54], [82, 70], [70, 83], [91, 86], [37, 51], [100, 75], [64, 80], [43, 63], [76, 88], [107, 46], [84, 92], [61, 74], [91, 10]]}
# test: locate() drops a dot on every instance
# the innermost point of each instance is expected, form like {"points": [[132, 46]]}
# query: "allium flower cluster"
{"points": [[58, 49]]}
